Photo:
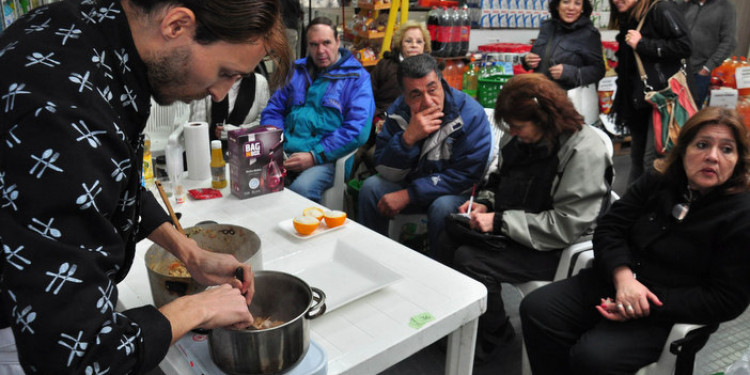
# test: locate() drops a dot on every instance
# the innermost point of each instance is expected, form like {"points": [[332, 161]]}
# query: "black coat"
{"points": [[664, 44], [578, 46], [699, 268], [385, 86]]}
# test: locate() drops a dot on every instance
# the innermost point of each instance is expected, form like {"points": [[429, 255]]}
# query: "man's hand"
{"points": [[392, 203], [422, 124], [299, 161], [704, 71], [222, 306], [218, 130], [532, 60], [556, 71], [205, 267]]}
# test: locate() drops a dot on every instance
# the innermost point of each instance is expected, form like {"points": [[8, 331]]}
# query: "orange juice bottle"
{"points": [[218, 166]]}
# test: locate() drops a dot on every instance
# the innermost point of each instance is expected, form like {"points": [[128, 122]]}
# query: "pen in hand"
{"points": [[471, 199]]}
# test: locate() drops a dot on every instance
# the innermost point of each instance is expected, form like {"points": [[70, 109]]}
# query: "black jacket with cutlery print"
{"points": [[74, 99]]}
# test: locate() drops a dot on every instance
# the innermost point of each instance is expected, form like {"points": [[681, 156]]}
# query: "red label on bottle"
{"points": [[444, 34], [433, 29]]}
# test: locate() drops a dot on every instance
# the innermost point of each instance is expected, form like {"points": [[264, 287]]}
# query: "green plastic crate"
{"points": [[489, 87]]}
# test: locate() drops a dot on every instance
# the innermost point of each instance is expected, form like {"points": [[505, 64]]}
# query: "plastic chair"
{"points": [[678, 355], [163, 121], [333, 198], [572, 260]]}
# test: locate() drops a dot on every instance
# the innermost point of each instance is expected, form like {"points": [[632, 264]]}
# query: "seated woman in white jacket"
{"points": [[241, 107]]}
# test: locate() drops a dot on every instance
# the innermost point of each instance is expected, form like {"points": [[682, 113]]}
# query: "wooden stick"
{"points": [[169, 206]]}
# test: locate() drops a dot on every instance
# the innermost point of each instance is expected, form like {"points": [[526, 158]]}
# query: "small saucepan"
{"points": [[281, 297]]}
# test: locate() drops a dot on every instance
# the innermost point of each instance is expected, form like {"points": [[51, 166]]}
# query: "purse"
{"points": [[672, 105]]}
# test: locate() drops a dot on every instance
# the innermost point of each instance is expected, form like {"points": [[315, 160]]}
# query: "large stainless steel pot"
{"points": [[280, 296], [241, 242]]}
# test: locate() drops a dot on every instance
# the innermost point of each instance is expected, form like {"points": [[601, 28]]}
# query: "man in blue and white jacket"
{"points": [[325, 110], [433, 147]]}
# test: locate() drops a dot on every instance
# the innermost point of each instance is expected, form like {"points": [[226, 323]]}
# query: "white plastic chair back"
{"points": [[163, 121], [333, 198]]}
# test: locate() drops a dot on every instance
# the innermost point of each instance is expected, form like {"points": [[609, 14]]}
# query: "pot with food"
{"points": [[282, 306], [168, 277]]}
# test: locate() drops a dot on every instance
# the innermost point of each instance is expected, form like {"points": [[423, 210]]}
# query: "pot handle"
{"points": [[319, 307]]}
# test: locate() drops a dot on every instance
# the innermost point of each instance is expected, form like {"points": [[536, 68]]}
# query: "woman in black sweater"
{"points": [[683, 230]]}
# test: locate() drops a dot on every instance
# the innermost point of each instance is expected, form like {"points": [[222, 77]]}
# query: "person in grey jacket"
{"points": [[568, 49], [713, 31], [547, 192]]}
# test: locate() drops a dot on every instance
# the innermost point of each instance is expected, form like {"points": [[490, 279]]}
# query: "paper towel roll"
{"points": [[197, 150]]}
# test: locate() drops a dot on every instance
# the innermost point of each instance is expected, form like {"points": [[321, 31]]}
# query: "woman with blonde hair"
{"points": [[410, 39], [683, 229]]}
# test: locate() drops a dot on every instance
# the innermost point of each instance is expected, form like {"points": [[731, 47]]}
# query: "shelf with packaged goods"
{"points": [[375, 6]]}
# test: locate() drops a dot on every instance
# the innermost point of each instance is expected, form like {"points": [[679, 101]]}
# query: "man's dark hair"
{"points": [[234, 21], [418, 66], [323, 21]]}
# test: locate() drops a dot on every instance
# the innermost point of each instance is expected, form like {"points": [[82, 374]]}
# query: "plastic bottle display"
{"points": [[148, 164], [218, 166]]}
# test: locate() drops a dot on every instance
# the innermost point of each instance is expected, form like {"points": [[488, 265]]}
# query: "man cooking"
{"points": [[74, 100]]}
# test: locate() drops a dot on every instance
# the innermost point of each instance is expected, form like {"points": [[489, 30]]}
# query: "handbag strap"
{"points": [[638, 62]]}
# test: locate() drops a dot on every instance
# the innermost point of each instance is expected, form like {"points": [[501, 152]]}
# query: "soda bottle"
{"points": [[470, 80], [460, 69], [433, 25], [449, 72], [465, 31], [444, 34], [455, 41], [218, 166]]}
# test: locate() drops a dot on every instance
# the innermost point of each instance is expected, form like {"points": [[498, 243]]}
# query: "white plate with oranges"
{"points": [[314, 221]]}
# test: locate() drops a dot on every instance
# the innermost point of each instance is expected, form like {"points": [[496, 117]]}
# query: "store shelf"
{"points": [[376, 6], [371, 34]]}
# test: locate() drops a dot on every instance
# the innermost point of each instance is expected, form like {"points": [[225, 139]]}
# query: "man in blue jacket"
{"points": [[433, 147], [325, 110]]}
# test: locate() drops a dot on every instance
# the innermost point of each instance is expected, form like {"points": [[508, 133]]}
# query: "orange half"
{"points": [[334, 218], [305, 225], [315, 212]]}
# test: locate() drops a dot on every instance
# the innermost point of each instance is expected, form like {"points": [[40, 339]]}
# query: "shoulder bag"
{"points": [[672, 105]]}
